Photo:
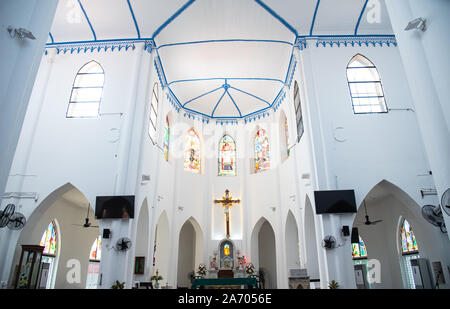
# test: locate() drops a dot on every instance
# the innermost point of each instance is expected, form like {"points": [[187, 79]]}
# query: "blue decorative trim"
{"points": [[356, 41], [314, 18], [291, 71], [150, 46], [87, 19], [226, 78], [239, 111], [226, 41], [51, 37], [177, 13], [360, 17], [202, 95], [92, 46], [134, 19], [279, 99], [300, 43], [160, 72], [220, 100], [251, 95], [274, 14]]}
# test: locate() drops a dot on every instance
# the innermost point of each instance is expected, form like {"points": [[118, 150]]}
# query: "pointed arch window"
{"points": [[192, 154], [408, 240], [153, 113], [166, 139], [87, 92], [298, 111], [227, 156], [365, 86], [93, 275], [49, 242], [96, 250], [359, 250], [262, 151]]}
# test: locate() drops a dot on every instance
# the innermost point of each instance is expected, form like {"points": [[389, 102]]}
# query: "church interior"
{"points": [[185, 144]]}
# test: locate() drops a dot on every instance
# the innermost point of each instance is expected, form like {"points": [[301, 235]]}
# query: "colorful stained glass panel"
{"points": [[48, 239], [192, 152], [227, 156], [262, 154]]}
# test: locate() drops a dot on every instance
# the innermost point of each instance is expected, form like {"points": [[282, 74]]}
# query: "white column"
{"points": [[414, 52], [19, 60]]}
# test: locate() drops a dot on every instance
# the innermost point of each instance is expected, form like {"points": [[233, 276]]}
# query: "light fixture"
{"points": [[20, 33], [418, 23]]}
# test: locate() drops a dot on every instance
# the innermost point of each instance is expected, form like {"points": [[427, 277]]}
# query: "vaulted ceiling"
{"points": [[221, 59]]}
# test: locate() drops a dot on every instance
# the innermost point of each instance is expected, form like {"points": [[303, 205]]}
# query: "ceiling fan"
{"points": [[86, 224], [368, 222]]}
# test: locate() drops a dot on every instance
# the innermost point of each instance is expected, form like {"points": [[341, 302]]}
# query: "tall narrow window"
{"points": [[87, 92], [153, 113], [284, 137], [365, 86], [227, 156], [409, 251], [166, 139], [95, 255], [49, 242], [192, 155], [262, 154], [298, 111]]}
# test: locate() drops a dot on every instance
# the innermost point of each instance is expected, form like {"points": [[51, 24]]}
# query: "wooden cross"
{"points": [[227, 202]]}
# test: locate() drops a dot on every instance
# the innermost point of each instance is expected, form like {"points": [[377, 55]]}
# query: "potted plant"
{"points": [[156, 278], [118, 286], [333, 285], [201, 270]]}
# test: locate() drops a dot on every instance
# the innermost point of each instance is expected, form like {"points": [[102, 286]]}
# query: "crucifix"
{"points": [[227, 202]]}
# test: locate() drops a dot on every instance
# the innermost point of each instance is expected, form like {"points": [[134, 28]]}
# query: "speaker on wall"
{"points": [[355, 235], [106, 233], [346, 230]]}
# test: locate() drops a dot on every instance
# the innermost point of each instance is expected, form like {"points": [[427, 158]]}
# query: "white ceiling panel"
{"points": [[70, 24], [338, 17]]}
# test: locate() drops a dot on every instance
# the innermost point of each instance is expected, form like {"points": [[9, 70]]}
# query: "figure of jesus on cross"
{"points": [[227, 202]]}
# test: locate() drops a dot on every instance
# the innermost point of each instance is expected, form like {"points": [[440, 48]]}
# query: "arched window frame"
{"points": [[359, 250], [266, 164], [298, 112], [46, 241], [360, 86], [153, 115], [87, 89], [222, 171], [406, 234], [96, 250], [188, 151]]}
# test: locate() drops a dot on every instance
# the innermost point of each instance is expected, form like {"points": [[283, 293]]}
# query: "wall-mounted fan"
{"points": [[6, 214], [433, 214], [87, 224], [123, 244], [17, 221], [329, 242], [368, 222], [445, 201]]}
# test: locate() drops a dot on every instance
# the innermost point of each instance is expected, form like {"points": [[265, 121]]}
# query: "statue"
{"points": [[212, 264]]}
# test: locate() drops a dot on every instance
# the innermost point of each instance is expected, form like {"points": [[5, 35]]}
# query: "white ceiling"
{"points": [[220, 58]]}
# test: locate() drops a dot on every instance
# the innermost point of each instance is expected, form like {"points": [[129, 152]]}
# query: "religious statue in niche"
{"points": [[213, 264], [226, 255]]}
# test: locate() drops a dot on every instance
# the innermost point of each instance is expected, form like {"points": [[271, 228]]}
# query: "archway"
{"points": [[142, 243], [392, 205], [161, 247], [263, 249], [68, 207], [190, 251], [312, 257], [292, 243]]}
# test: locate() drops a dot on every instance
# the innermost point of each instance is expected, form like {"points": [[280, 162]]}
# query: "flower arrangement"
{"points": [[156, 277], [250, 269], [201, 270]]}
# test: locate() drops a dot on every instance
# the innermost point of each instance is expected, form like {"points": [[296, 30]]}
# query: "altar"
{"points": [[226, 283]]}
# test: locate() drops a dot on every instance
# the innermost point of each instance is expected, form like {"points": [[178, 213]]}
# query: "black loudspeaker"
{"points": [[346, 230], [106, 233], [355, 235]]}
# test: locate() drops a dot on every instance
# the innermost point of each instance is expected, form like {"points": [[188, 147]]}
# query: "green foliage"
{"points": [[118, 285], [333, 285]]}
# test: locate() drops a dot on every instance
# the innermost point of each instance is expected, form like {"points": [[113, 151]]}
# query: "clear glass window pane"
{"points": [[86, 94], [83, 110], [89, 80]]}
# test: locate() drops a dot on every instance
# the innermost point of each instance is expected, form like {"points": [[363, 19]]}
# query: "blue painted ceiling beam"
{"points": [[314, 18], [177, 13], [226, 41], [87, 19], [232, 100], [227, 78], [134, 19], [280, 19], [249, 94], [214, 110], [360, 17], [202, 95], [51, 37]]}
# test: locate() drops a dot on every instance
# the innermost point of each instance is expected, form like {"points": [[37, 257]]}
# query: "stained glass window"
{"points": [[48, 240], [409, 244], [192, 152], [166, 139], [226, 250], [359, 250], [153, 113], [87, 92], [227, 156], [286, 132], [262, 154], [96, 250], [365, 86]]}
